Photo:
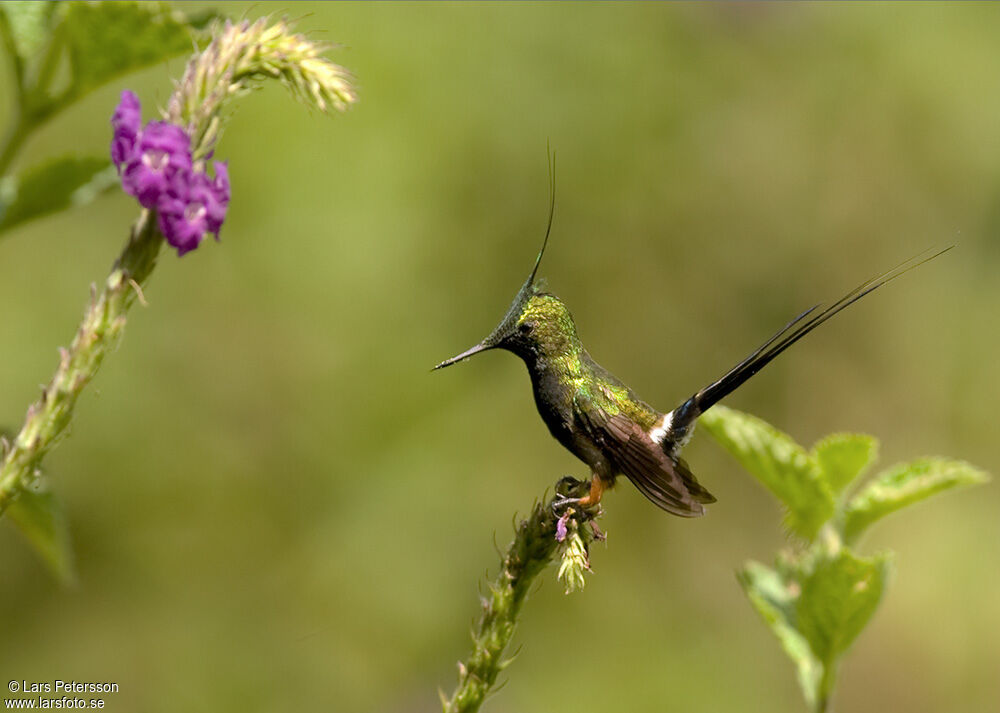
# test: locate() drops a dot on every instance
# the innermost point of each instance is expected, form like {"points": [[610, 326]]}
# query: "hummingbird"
{"points": [[602, 421]]}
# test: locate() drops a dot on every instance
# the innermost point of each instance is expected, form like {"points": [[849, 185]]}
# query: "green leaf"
{"points": [[903, 485], [842, 457], [39, 517], [108, 39], [27, 24], [778, 462], [51, 186], [838, 597], [774, 601]]}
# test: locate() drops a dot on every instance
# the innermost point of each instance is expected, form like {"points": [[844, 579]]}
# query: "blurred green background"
{"points": [[275, 506]]}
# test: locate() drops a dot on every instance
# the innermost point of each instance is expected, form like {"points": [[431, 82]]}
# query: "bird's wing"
{"points": [[664, 480]]}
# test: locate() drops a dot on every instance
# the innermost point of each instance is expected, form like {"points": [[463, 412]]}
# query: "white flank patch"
{"points": [[661, 431]]}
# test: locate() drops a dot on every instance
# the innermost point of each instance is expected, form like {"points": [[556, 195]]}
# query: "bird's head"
{"points": [[536, 323]]}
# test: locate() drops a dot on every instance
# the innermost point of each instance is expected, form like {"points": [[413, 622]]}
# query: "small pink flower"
{"points": [[561, 527]]}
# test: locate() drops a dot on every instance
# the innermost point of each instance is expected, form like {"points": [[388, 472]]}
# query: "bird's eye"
{"points": [[526, 327]]}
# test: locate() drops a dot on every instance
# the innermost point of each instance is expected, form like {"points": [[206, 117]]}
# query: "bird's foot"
{"points": [[568, 492], [563, 505], [562, 502]]}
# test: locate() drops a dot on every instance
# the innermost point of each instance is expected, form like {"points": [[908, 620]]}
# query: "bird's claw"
{"points": [[562, 501]]}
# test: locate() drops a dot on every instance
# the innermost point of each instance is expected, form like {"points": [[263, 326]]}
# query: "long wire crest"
{"points": [[552, 209]]}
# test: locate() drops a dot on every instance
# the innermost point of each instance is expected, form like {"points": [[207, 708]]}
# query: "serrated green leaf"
{"points": [[774, 601], [903, 485], [108, 39], [28, 26], [838, 598], [39, 517], [778, 462], [51, 186], [842, 457]]}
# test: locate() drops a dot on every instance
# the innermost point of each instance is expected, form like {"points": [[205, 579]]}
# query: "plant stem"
{"points": [[16, 63], [827, 682], [533, 548], [12, 141], [256, 52], [102, 324]]}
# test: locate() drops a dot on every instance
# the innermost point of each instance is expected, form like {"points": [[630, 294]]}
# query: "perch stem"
{"points": [[534, 547]]}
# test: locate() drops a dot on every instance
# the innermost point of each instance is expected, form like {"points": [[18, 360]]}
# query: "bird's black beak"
{"points": [[481, 347]]}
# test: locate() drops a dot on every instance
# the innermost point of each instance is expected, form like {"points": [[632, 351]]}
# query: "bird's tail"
{"points": [[685, 415]]}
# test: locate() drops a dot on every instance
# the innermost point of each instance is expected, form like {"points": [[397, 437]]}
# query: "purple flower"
{"points": [[126, 121], [161, 151], [214, 195], [193, 205], [156, 168]]}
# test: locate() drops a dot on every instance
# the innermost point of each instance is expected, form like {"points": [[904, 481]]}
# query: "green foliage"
{"points": [[773, 598], [822, 594], [779, 463], [25, 26], [839, 595], [52, 186], [108, 39], [39, 517], [100, 40], [842, 457], [903, 485]]}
